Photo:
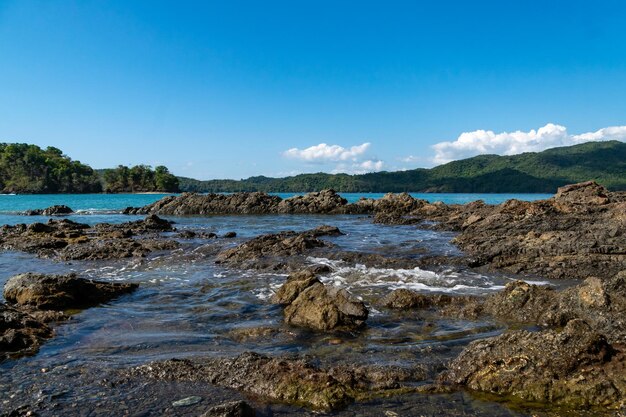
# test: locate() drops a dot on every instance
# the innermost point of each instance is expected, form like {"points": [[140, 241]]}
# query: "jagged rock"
{"points": [[20, 333], [114, 248], [309, 303], [285, 379], [59, 210], [573, 367], [203, 204], [584, 193], [151, 224], [403, 299], [68, 240], [295, 284], [573, 235], [61, 292], [326, 201], [270, 250]]}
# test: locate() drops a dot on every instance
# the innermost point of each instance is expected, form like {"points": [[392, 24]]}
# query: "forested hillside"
{"points": [[541, 172], [29, 169]]}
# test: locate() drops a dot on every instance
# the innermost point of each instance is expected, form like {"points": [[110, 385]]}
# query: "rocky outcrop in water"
{"points": [[309, 303], [573, 367], [20, 333], [287, 380], [204, 204], [68, 240], [61, 292], [35, 299], [575, 234], [271, 251], [59, 210]]}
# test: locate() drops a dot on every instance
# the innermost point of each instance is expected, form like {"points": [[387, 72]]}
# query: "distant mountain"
{"points": [[532, 172]]}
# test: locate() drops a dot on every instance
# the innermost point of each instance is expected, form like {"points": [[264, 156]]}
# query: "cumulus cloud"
{"points": [[327, 153], [362, 167], [478, 142], [352, 160]]}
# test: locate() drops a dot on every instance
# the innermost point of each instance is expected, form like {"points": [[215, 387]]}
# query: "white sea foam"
{"points": [[361, 276]]}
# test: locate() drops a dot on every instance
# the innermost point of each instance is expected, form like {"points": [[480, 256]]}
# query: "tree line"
{"points": [[29, 169]]}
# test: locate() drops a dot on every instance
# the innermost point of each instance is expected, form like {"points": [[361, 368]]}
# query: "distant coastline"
{"points": [[541, 172]]}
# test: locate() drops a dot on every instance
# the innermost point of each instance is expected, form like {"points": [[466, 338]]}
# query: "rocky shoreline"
{"points": [[563, 348]]}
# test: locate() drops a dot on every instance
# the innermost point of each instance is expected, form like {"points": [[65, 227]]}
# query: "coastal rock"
{"points": [[309, 303], [573, 235], [403, 299], [151, 224], [61, 292], [285, 379], [114, 248], [584, 193], [203, 204], [573, 367], [323, 202], [20, 333], [190, 234], [270, 251], [68, 240], [58, 210]]}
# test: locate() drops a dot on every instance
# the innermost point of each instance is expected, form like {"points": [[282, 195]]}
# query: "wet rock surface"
{"points": [[284, 379], [309, 303], [575, 234], [573, 367], [59, 210], [231, 409], [274, 250], [68, 240], [20, 333], [61, 292]]}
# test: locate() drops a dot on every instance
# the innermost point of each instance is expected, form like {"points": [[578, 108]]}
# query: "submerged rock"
{"points": [[231, 409], [20, 333], [284, 379], [61, 292], [270, 251]]}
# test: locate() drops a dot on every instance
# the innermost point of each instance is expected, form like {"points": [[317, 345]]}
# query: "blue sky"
{"points": [[234, 89]]}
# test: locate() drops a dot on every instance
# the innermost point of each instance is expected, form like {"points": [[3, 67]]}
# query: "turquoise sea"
{"points": [[114, 202]]}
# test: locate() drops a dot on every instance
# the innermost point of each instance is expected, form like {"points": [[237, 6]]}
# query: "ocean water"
{"points": [[116, 202], [187, 306]]}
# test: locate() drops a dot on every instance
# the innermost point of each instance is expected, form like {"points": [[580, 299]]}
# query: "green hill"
{"points": [[29, 169], [533, 172]]}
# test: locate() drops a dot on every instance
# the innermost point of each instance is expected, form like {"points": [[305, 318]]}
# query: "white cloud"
{"points": [[362, 167], [337, 159], [510, 143], [327, 153]]}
